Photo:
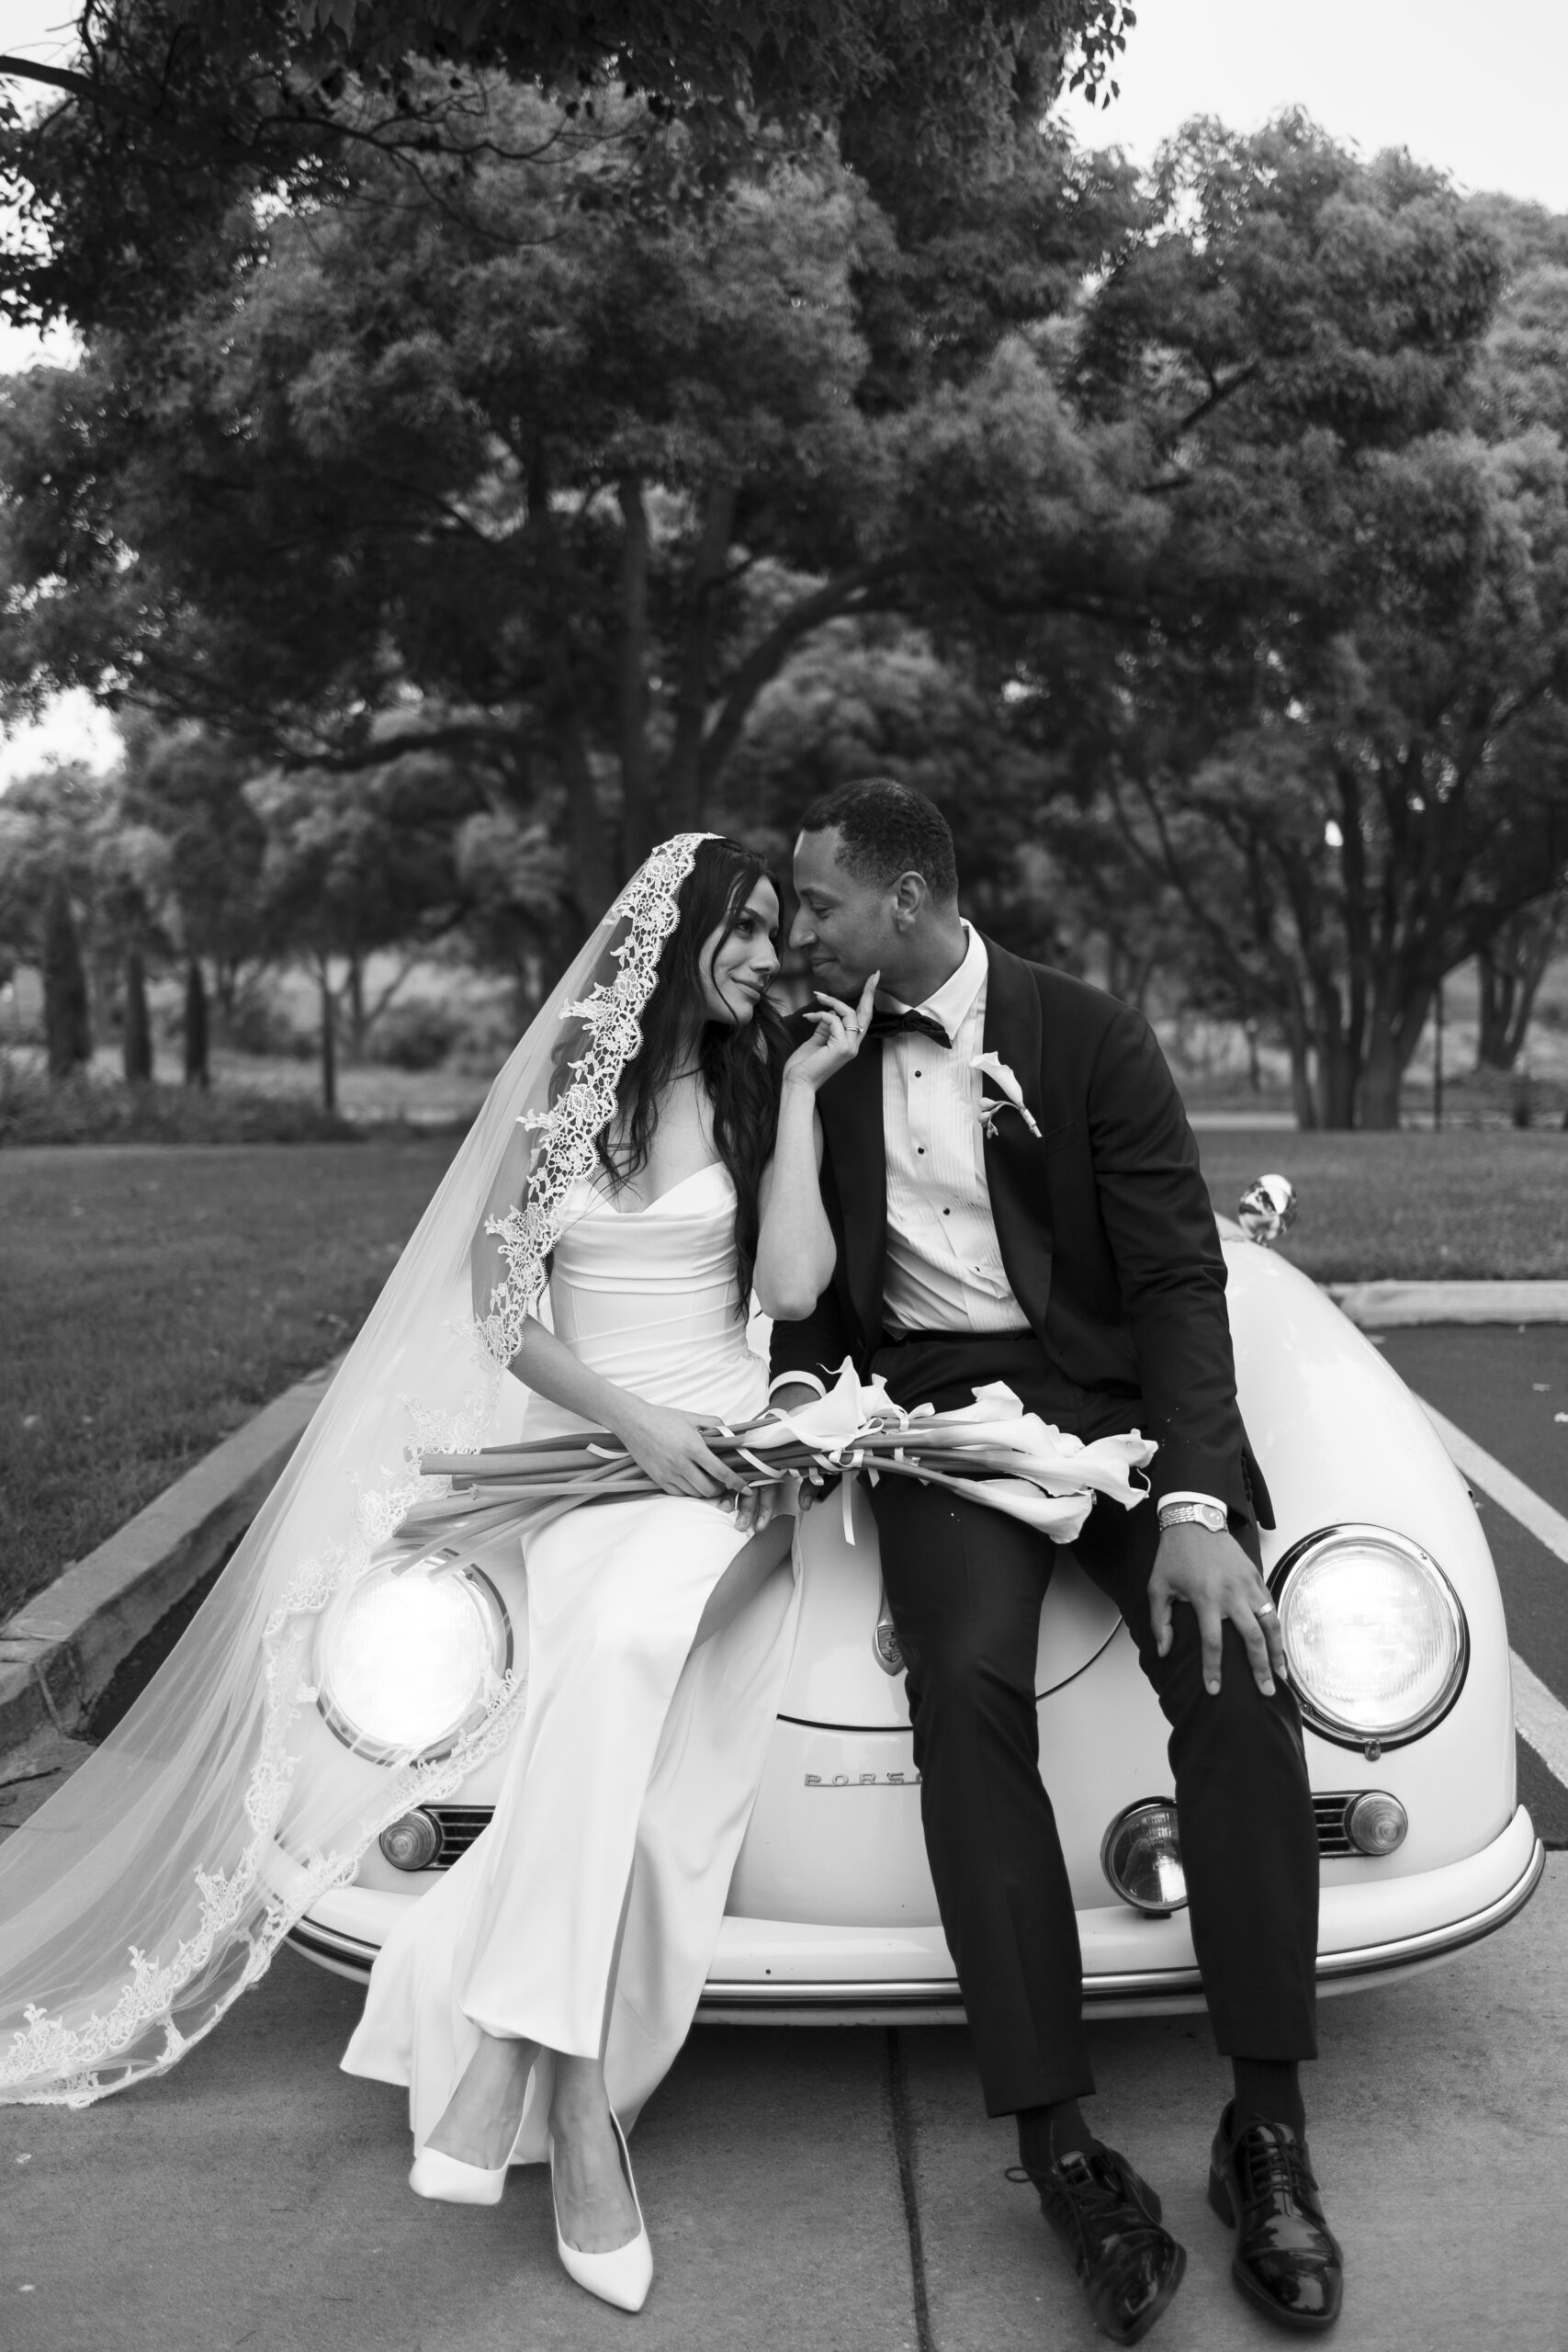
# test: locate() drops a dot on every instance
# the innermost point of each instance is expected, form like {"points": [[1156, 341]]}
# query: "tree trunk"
{"points": [[329, 1042], [198, 1069], [684, 777], [357, 1022], [1298, 1043], [1336, 1076], [67, 1029], [1511, 967], [137, 1039], [1380, 1084], [637, 775], [593, 885]]}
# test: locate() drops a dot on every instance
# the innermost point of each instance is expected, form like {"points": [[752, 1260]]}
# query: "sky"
{"points": [[1481, 93]]}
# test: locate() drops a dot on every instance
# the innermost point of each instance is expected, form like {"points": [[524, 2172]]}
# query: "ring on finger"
{"points": [[1265, 1608]]}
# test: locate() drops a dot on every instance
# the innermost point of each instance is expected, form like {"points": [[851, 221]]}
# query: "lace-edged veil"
{"points": [[154, 1887]]}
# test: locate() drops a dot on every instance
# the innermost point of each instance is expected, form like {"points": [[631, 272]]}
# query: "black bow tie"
{"points": [[895, 1024]]}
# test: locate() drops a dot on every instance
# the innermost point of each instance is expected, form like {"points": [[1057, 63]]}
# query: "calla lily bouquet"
{"points": [[992, 1450]]}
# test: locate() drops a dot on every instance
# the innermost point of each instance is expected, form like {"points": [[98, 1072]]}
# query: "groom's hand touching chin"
{"points": [[1214, 1576]]}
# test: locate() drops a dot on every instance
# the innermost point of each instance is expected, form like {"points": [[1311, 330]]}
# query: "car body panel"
{"points": [[832, 1911]]}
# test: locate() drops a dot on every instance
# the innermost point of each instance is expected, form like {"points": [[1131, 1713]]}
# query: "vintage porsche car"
{"points": [[1393, 1628]]}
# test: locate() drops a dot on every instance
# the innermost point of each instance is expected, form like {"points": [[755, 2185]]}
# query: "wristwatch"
{"points": [[1207, 1515]]}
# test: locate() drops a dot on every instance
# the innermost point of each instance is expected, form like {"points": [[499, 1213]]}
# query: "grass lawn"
{"points": [[1469, 1203], [154, 1299]]}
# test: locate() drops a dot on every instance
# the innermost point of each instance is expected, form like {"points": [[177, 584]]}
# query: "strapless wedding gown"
{"points": [[635, 1768]]}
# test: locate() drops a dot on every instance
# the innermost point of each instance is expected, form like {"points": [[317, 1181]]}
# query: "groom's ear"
{"points": [[910, 893]]}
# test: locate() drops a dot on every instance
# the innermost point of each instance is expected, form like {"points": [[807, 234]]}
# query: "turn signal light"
{"points": [[412, 1843], [1376, 1823]]}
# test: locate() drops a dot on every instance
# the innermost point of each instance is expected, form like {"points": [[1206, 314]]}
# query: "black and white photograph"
{"points": [[783, 1175]]}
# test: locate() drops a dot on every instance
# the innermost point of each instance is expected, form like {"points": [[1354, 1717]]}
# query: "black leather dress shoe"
{"points": [[1287, 2259], [1109, 2220]]}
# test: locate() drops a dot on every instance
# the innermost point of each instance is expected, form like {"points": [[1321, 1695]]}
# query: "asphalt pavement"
{"points": [[831, 2189], [1507, 1388]]}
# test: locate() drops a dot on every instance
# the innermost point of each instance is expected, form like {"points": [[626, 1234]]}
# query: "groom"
{"points": [[1068, 1247]]}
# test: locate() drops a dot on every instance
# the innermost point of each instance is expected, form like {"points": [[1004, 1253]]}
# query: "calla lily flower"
{"points": [[992, 1065], [826, 1422], [1060, 1518]]}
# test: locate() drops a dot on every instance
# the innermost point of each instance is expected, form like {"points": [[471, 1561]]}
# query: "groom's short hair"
{"points": [[886, 829]]}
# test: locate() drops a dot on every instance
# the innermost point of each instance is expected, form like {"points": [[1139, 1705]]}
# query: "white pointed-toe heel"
{"points": [[436, 2175], [624, 2275]]}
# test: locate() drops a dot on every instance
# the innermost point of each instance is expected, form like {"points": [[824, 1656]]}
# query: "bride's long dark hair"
{"points": [[740, 1066]]}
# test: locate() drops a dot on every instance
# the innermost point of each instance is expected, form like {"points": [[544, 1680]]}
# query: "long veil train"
{"points": [[150, 1891]]}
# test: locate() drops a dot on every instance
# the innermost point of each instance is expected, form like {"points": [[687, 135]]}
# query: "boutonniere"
{"points": [[992, 1065]]}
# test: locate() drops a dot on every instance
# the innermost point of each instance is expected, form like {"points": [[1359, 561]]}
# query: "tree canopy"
{"points": [[1342, 737], [171, 109], [562, 486], [1201, 540]]}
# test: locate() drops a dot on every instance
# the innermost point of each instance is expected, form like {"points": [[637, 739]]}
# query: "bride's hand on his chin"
{"points": [[671, 1447], [840, 1030]]}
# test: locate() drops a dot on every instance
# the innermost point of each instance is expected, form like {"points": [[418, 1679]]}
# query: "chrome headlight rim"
{"points": [[364, 1744], [1321, 1718]]}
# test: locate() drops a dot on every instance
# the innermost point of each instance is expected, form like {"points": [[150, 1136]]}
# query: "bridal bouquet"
{"points": [[991, 1450]]}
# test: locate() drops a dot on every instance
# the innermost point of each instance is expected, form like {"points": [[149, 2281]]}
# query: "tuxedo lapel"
{"points": [[849, 1107], [1014, 1173]]}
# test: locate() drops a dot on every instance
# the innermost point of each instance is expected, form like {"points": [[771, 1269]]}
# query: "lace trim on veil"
{"points": [[74, 2061], [570, 1130]]}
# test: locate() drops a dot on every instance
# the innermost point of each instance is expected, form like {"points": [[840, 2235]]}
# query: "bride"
{"points": [[588, 1911], [646, 1160]]}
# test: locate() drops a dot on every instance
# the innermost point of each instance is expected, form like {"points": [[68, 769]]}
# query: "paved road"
{"points": [[1505, 1388], [829, 2189]]}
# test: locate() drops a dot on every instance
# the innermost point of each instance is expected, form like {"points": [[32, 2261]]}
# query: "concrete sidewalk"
{"points": [[256, 2197]]}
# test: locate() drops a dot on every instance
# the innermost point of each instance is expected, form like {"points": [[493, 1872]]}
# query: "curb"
{"points": [[59, 1652], [1392, 1306]]}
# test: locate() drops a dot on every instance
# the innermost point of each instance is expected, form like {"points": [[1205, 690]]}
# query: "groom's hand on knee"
{"points": [[1214, 1576]]}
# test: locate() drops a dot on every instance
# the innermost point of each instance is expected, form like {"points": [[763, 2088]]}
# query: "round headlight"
{"points": [[408, 1658], [1374, 1632], [1141, 1856]]}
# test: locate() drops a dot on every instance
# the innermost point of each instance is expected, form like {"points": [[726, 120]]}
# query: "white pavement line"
{"points": [[1541, 1717], [1520, 1502]]}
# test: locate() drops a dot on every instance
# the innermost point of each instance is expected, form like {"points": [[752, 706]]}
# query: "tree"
{"points": [[51, 829], [171, 112], [187, 784], [68, 1035], [130, 904], [1342, 739], [560, 486], [1511, 967], [353, 864], [874, 697]]}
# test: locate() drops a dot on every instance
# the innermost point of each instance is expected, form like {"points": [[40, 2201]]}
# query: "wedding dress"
{"points": [[637, 1763]]}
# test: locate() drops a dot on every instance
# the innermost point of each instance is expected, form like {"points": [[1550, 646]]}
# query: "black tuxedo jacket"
{"points": [[1103, 1222]]}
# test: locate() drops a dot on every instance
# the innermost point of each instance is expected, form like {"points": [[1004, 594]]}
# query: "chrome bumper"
{"points": [[780, 1972]]}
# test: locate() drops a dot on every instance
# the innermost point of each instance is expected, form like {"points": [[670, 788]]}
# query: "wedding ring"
{"points": [[1267, 1609]]}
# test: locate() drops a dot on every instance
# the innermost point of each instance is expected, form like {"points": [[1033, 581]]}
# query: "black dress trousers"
{"points": [[966, 1585]]}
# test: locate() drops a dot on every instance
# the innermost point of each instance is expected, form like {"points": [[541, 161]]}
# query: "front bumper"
{"points": [[773, 1971]]}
